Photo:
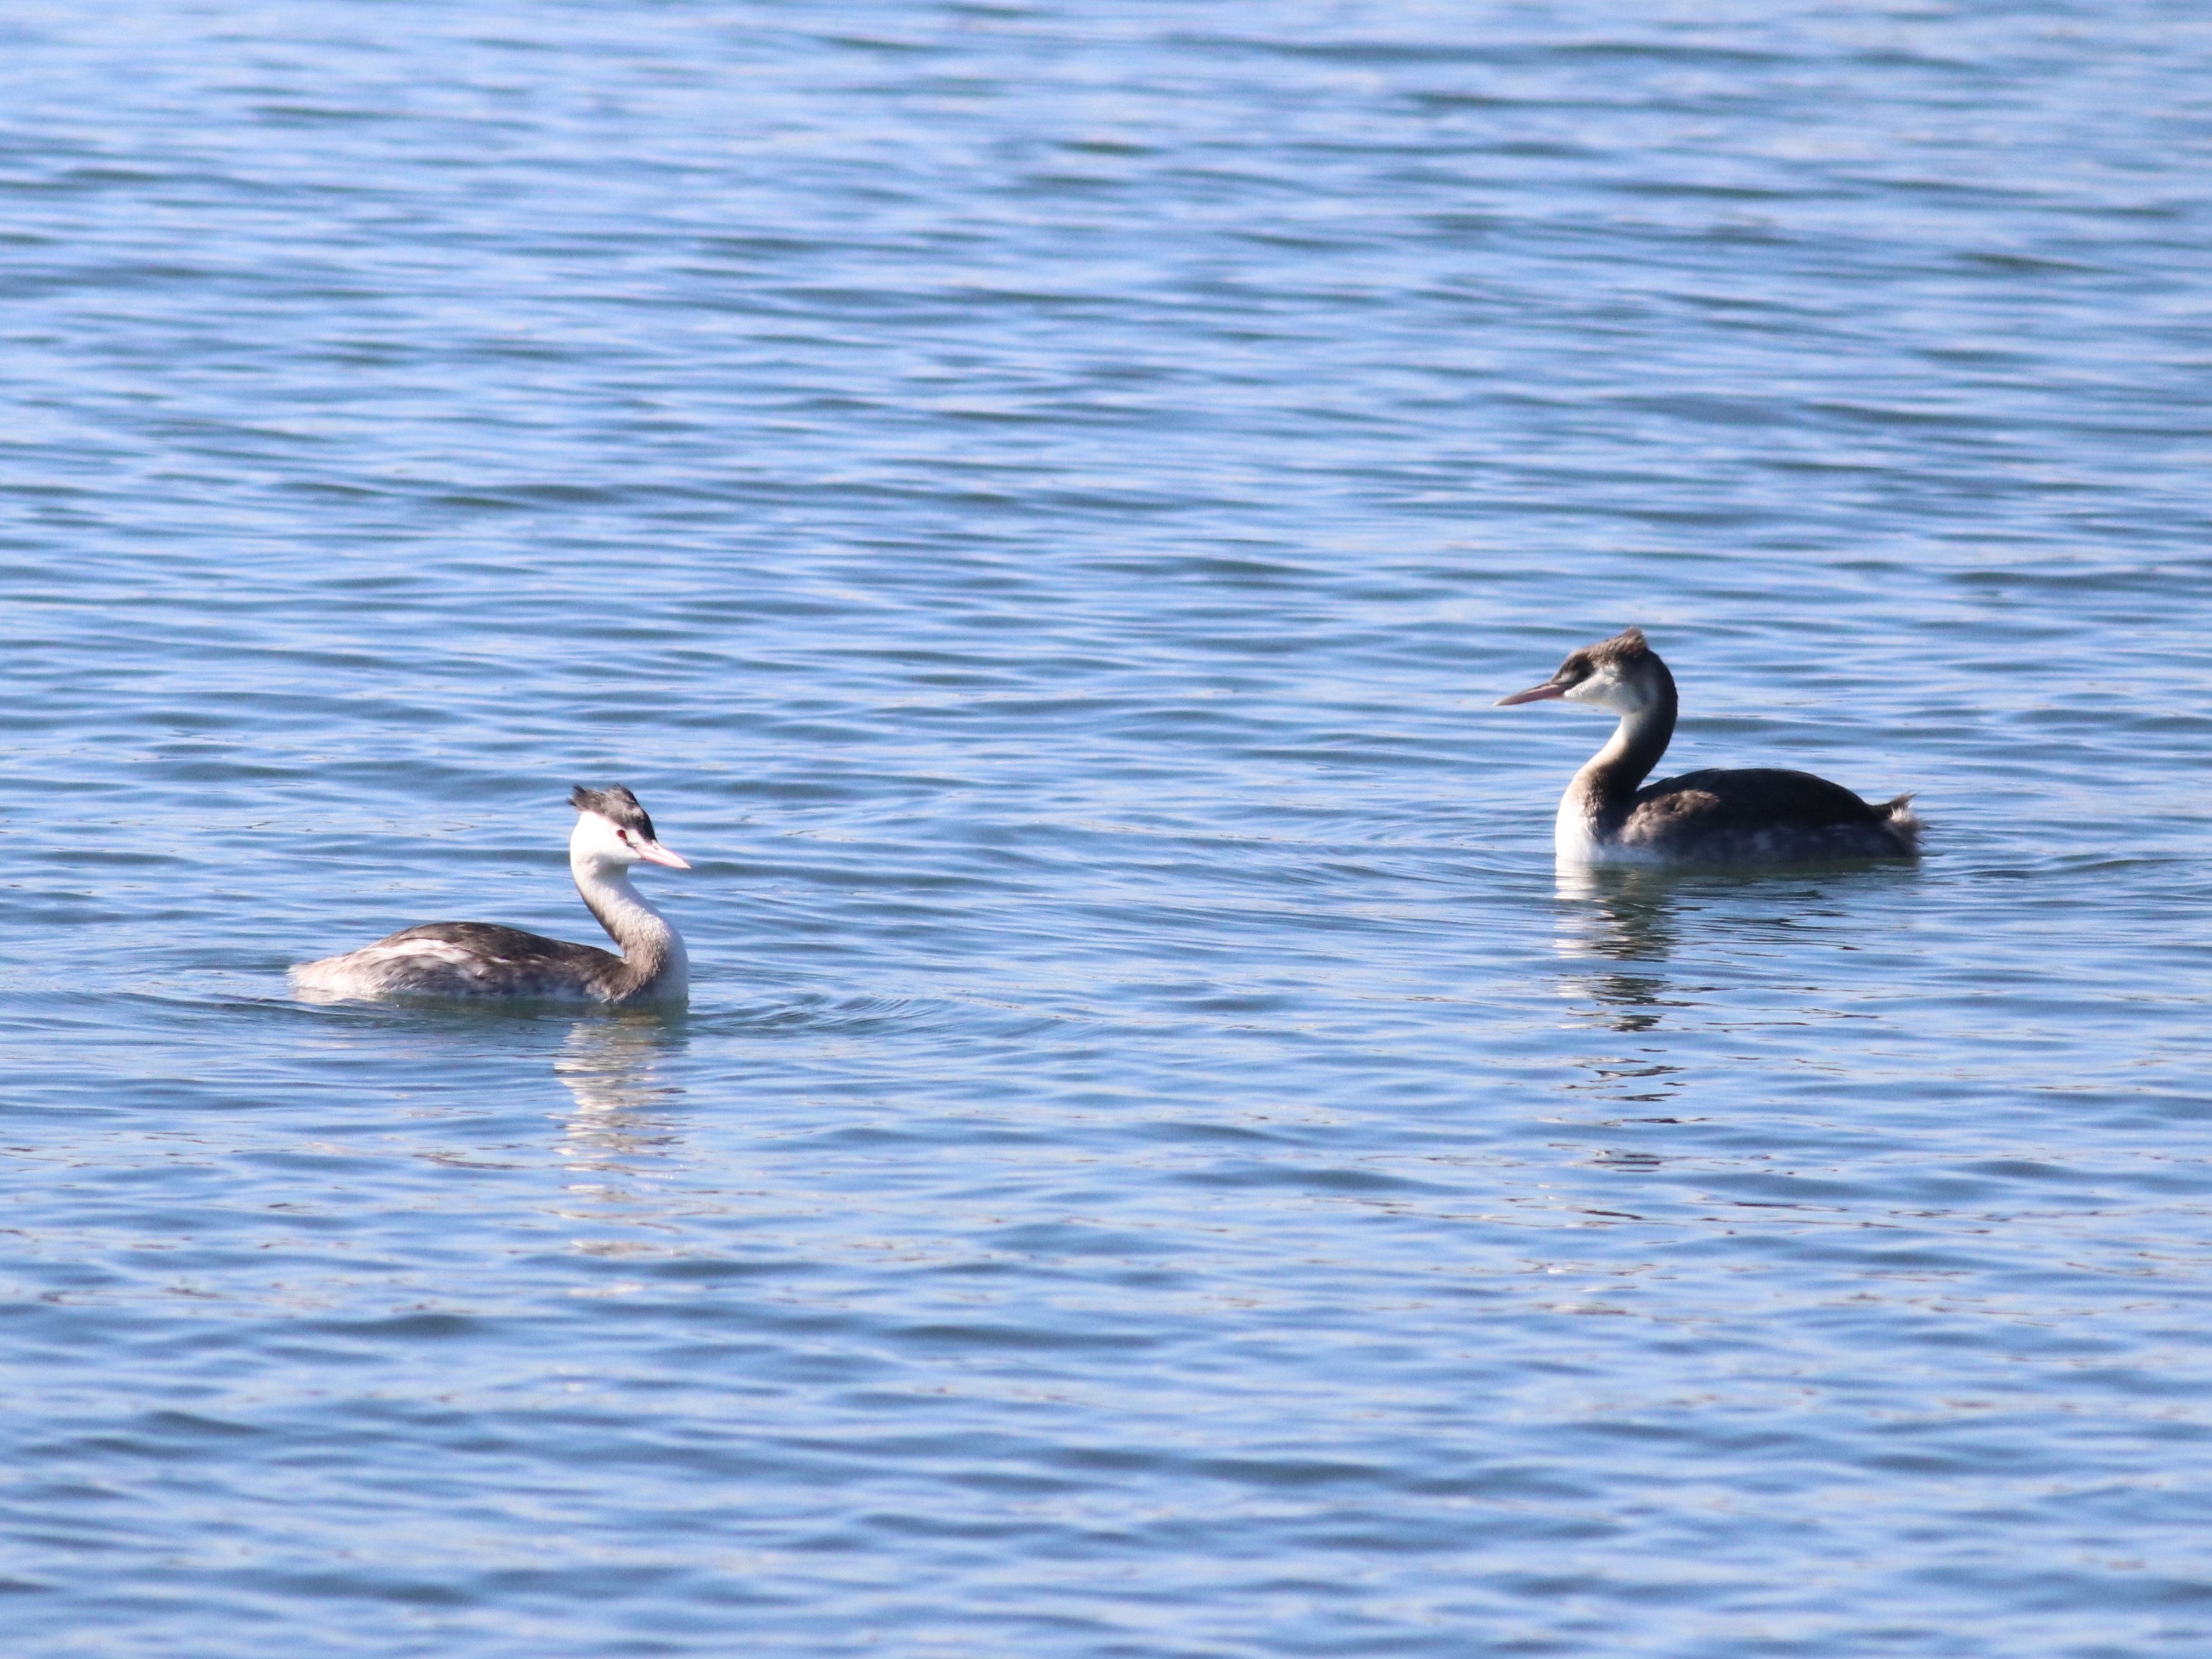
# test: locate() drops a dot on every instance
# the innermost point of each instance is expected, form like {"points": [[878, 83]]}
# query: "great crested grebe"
{"points": [[1759, 815], [483, 959]]}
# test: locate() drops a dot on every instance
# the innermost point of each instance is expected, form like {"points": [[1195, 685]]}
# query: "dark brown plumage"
{"points": [[1761, 813]]}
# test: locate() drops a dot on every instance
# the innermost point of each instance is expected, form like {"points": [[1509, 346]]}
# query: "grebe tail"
{"points": [[483, 959]]}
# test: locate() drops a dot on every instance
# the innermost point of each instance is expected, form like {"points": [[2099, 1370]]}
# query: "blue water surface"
{"points": [[1038, 500]]}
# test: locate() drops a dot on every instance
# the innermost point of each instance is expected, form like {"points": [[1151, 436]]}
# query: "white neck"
{"points": [[652, 951], [1601, 792], [1600, 767]]}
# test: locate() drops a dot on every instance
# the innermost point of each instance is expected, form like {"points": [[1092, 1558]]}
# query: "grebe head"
{"points": [[613, 832], [1622, 675]]}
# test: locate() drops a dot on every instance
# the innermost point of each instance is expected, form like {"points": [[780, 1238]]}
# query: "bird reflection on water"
{"points": [[1617, 926], [1625, 917], [625, 1107], [1620, 929]]}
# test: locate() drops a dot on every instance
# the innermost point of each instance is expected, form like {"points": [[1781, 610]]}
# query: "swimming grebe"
{"points": [[1755, 816], [483, 959]]}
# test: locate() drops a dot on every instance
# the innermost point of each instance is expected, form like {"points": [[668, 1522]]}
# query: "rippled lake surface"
{"points": [[1038, 500]]}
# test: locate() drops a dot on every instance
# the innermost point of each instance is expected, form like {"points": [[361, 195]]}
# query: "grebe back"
{"points": [[483, 959], [1759, 815]]}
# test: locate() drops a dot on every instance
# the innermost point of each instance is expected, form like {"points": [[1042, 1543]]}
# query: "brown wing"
{"points": [[1756, 813], [483, 956]]}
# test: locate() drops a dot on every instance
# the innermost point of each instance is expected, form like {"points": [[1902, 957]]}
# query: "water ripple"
{"points": [[1040, 501]]}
